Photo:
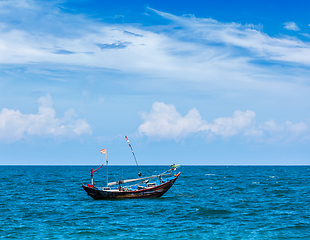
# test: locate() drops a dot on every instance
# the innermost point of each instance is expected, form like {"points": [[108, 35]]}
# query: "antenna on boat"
{"points": [[139, 174]]}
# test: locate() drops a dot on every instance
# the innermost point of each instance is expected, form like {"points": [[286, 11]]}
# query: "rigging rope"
{"points": [[183, 195]]}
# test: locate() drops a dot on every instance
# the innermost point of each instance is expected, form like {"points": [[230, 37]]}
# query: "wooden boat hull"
{"points": [[157, 191]]}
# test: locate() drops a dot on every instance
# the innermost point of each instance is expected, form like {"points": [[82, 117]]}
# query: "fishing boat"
{"points": [[142, 187]]}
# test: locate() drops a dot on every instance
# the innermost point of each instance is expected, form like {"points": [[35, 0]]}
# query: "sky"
{"points": [[189, 82]]}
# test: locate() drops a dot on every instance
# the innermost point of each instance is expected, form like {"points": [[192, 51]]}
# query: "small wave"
{"points": [[211, 212], [297, 227], [282, 192], [210, 174], [158, 212]]}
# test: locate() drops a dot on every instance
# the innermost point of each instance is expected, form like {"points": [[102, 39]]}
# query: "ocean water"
{"points": [[217, 202]]}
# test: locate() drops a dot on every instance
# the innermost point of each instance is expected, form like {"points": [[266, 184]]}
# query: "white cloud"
{"points": [[246, 36], [305, 35], [23, 4], [286, 132], [229, 126], [15, 126], [294, 128], [164, 122], [291, 26]]}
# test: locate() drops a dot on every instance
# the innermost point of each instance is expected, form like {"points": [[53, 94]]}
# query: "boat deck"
{"points": [[136, 187]]}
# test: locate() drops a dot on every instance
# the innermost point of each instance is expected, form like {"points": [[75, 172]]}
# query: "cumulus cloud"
{"points": [[229, 126], [15, 125], [286, 132], [291, 26], [164, 122]]}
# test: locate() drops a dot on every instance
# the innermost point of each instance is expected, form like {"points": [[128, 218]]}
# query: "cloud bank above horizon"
{"points": [[164, 122], [15, 125]]}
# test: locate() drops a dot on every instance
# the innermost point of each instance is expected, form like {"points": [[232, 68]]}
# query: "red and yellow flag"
{"points": [[103, 151]]}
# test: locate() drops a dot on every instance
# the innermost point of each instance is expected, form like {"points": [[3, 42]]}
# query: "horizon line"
{"points": [[156, 165]]}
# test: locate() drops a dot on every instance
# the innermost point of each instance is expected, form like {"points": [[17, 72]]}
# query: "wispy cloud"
{"points": [[206, 45], [305, 35], [189, 49], [15, 125], [291, 26], [259, 44], [165, 122]]}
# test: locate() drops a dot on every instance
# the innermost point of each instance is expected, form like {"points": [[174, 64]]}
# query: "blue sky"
{"points": [[193, 82]]}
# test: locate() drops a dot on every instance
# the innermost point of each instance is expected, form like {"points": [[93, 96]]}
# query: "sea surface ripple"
{"points": [[217, 202]]}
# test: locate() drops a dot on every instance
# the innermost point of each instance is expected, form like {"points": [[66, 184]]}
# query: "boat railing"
{"points": [[139, 179]]}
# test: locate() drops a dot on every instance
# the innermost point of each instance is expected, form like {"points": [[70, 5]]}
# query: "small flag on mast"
{"points": [[103, 150]]}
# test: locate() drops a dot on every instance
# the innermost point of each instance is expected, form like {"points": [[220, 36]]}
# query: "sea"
{"points": [[206, 202]]}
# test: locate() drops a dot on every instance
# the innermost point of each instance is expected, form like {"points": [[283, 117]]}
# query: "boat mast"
{"points": [[104, 151], [139, 174], [107, 167]]}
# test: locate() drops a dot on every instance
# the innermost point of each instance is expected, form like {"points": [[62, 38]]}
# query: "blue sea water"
{"points": [[221, 202]]}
